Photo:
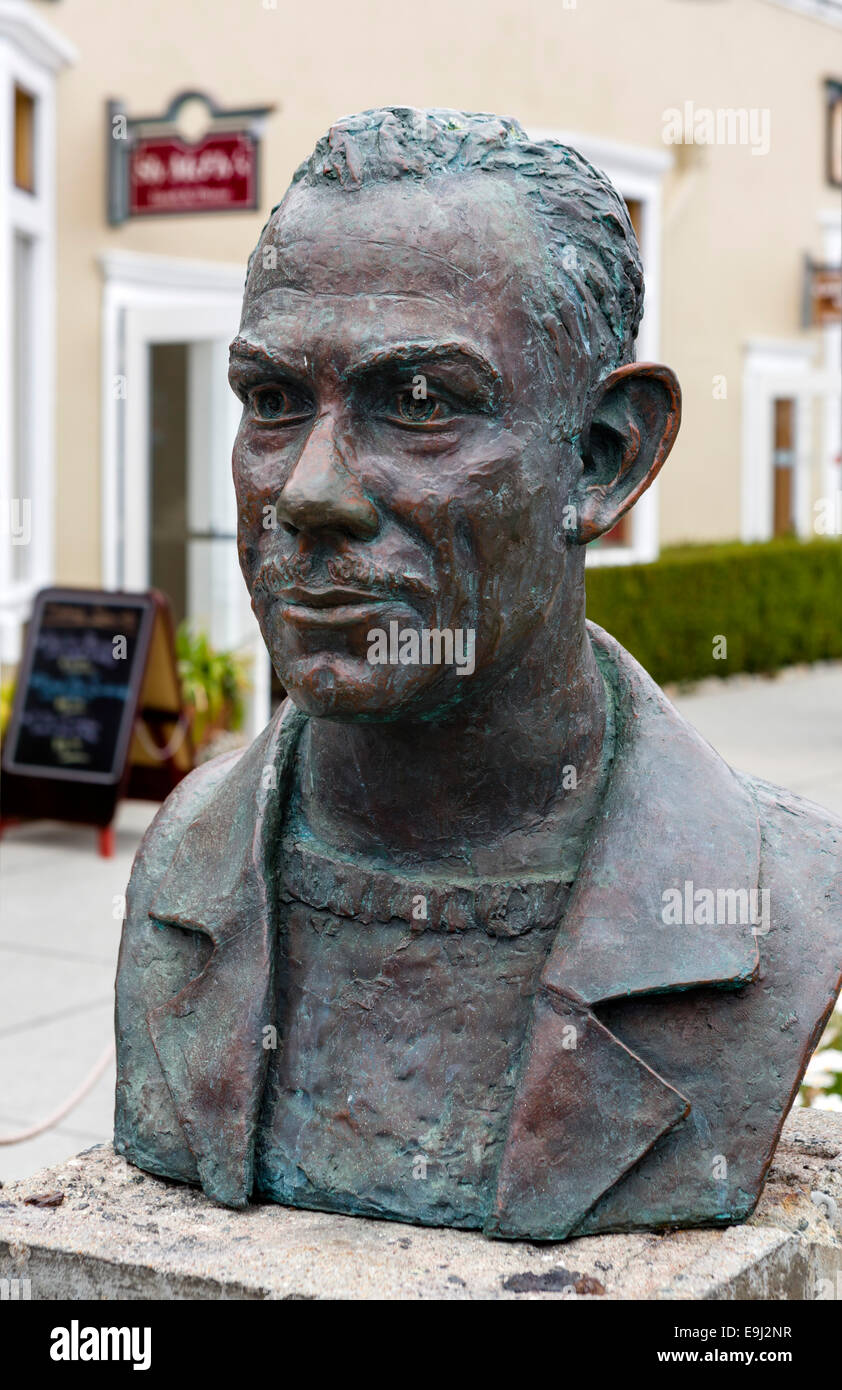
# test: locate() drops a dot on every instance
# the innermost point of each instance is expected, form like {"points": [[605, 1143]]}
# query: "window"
{"points": [[24, 140], [783, 464], [780, 382]]}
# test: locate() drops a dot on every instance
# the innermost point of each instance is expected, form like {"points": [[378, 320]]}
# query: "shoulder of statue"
{"points": [[215, 795], [180, 809], [806, 821], [801, 858]]}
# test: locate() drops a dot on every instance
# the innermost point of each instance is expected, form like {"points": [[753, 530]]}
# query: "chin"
{"points": [[329, 687]]}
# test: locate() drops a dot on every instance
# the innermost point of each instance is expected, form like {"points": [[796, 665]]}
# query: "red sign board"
{"points": [[822, 294], [217, 174], [826, 294]]}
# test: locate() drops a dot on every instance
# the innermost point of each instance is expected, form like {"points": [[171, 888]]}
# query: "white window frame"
{"points": [[31, 56], [775, 368], [638, 172], [151, 299]]}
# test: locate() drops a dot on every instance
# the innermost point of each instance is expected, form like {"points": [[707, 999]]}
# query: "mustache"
{"points": [[281, 571]]}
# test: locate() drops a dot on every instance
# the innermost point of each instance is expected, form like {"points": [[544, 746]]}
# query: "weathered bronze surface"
{"points": [[482, 935]]}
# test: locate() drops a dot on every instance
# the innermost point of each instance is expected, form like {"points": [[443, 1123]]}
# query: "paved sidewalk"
{"points": [[787, 729], [59, 935], [59, 928]]}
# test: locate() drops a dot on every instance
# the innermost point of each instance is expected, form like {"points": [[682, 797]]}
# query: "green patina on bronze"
{"points": [[407, 956]]}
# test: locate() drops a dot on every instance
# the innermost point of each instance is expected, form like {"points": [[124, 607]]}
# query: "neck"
{"points": [[497, 774]]}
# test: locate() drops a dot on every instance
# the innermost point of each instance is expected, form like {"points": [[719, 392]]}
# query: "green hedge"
{"points": [[777, 603]]}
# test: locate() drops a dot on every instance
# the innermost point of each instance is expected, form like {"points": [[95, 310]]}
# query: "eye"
{"points": [[277, 403], [427, 410]]}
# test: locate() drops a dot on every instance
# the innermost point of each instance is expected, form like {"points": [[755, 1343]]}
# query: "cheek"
{"points": [[257, 481], [519, 546], [258, 473], [476, 488], [515, 509]]}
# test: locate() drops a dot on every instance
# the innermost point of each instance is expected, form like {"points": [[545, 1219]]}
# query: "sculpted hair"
{"points": [[593, 272]]}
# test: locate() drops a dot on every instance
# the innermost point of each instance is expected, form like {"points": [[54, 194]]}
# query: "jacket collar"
{"points": [[217, 880], [672, 812], [586, 1108]]}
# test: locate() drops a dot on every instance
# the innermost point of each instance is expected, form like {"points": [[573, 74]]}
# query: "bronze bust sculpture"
{"points": [[478, 932]]}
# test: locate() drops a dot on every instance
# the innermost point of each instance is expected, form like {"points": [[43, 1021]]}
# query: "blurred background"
{"points": [[142, 149]]}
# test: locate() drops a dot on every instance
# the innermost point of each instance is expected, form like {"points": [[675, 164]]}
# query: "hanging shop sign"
{"points": [[161, 165], [822, 294]]}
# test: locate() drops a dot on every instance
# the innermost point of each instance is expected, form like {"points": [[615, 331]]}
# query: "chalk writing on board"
{"points": [[80, 683]]}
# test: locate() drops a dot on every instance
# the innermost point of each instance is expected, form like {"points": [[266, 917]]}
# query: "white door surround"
{"points": [[151, 300], [32, 55], [775, 369]]}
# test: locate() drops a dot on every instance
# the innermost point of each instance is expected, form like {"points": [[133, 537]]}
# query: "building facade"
{"points": [[721, 123]]}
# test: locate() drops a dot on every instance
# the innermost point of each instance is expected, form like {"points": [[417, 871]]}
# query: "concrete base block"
{"points": [[119, 1234]]}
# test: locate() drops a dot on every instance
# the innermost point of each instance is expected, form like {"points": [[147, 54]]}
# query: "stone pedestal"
{"points": [[120, 1234]]}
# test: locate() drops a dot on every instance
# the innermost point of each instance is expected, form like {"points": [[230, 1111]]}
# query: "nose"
{"points": [[321, 494]]}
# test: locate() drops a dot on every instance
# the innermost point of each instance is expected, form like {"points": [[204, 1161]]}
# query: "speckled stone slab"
{"points": [[119, 1233]]}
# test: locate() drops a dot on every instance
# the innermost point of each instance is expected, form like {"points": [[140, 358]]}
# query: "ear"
{"points": [[631, 427]]}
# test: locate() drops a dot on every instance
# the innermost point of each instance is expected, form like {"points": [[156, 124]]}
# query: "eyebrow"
{"points": [[396, 355], [427, 352], [242, 348]]}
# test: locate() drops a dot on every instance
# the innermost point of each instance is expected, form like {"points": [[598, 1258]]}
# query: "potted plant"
{"points": [[213, 683]]}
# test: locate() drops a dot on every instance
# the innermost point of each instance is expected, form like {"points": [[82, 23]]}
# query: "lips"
{"points": [[332, 597], [330, 607]]}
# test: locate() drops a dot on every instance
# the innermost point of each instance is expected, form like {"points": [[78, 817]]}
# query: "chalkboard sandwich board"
{"points": [[97, 712]]}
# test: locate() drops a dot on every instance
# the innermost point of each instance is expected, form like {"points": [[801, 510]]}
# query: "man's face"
{"points": [[400, 463]]}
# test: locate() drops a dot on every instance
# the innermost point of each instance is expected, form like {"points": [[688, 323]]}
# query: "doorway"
{"points": [[169, 513], [170, 537]]}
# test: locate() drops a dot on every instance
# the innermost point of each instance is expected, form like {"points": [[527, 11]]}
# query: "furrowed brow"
{"points": [[396, 357], [400, 356], [243, 350]]}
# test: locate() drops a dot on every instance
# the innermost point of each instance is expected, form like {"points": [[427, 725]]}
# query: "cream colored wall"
{"points": [[735, 225]]}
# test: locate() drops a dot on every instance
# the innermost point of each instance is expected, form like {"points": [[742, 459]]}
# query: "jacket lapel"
{"points": [[587, 1109], [215, 1072]]}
